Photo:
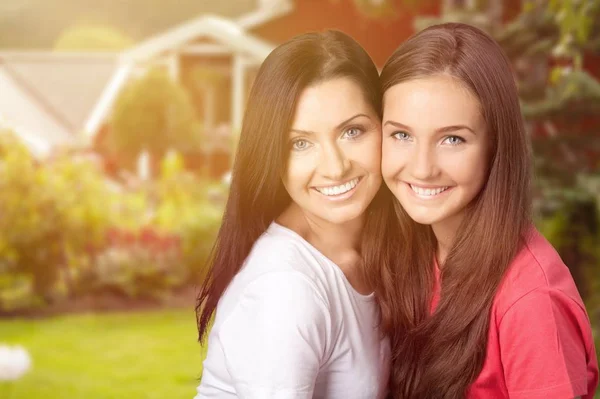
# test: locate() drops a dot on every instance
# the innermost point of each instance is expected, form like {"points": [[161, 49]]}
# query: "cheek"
{"points": [[468, 168], [391, 161], [299, 170], [367, 154]]}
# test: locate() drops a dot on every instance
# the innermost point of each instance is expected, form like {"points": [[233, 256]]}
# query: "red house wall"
{"points": [[379, 36]]}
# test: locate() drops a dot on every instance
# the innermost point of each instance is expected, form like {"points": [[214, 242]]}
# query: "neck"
{"points": [[340, 242], [321, 233]]}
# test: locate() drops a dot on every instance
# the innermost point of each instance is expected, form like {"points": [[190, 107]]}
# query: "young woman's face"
{"points": [[334, 146], [435, 148]]}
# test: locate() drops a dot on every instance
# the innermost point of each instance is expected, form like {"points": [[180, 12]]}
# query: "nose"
{"points": [[333, 163], [423, 162]]}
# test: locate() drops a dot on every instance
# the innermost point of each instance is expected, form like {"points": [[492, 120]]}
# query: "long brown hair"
{"points": [[439, 355], [257, 195]]}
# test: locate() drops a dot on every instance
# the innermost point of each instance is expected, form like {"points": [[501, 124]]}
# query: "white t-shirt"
{"points": [[290, 326]]}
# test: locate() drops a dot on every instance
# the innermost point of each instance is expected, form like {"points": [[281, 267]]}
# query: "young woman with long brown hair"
{"points": [[478, 304], [293, 315]]}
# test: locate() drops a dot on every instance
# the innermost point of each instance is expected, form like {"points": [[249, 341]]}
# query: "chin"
{"points": [[422, 218], [344, 216], [423, 221]]}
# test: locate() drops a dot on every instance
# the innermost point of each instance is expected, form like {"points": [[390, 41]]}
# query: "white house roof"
{"points": [[68, 84], [221, 30], [47, 97], [36, 24], [226, 32], [22, 114]]}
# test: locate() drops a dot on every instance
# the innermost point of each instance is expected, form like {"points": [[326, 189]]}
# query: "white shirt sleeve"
{"points": [[275, 340]]}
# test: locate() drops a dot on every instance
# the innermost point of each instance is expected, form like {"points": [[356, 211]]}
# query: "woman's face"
{"points": [[435, 149], [334, 152]]}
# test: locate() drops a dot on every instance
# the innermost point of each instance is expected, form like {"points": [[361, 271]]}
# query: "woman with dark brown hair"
{"points": [[477, 303], [293, 315]]}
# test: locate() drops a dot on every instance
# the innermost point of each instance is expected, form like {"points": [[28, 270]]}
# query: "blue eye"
{"points": [[352, 133], [300, 144], [402, 136], [453, 140]]}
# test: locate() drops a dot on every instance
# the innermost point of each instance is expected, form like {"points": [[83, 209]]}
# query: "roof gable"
{"points": [[221, 30], [21, 113], [26, 24], [67, 85]]}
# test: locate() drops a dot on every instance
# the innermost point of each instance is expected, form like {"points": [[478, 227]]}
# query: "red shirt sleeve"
{"points": [[545, 347]]}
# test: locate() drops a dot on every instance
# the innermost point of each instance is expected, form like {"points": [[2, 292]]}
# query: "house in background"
{"points": [[226, 50], [73, 93], [46, 98], [215, 59], [55, 100]]}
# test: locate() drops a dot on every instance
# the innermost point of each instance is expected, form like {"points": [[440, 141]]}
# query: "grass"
{"points": [[144, 355]]}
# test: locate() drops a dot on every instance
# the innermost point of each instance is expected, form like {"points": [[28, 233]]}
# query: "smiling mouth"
{"points": [[428, 192], [332, 191]]}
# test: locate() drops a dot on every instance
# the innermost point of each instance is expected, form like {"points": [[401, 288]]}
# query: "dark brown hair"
{"points": [[257, 195], [439, 355]]}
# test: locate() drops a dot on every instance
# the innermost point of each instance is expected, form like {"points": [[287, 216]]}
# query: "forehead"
{"points": [[435, 101], [328, 103]]}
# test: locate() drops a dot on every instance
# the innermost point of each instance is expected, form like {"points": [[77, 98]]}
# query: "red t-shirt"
{"points": [[540, 342]]}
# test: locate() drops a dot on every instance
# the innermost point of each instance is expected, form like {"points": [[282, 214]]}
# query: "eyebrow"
{"points": [[445, 129], [339, 126]]}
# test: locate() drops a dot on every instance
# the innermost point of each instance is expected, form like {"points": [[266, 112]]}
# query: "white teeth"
{"points": [[337, 190], [428, 192]]}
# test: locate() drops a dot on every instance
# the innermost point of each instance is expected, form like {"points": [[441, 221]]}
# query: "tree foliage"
{"points": [[153, 113], [43, 204], [92, 38]]}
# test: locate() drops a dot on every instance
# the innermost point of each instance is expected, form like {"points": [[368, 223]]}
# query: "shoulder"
{"points": [[546, 347], [537, 271], [280, 250], [284, 285], [541, 328], [274, 292], [277, 246], [538, 299], [545, 343], [273, 335], [277, 304]]}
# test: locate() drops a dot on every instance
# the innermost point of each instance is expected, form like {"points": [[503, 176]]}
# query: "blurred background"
{"points": [[118, 122]]}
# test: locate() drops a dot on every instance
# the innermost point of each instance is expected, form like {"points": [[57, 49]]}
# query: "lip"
{"points": [[340, 197], [428, 186]]}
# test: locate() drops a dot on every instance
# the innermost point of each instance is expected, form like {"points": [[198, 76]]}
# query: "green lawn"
{"points": [[143, 355], [124, 355]]}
